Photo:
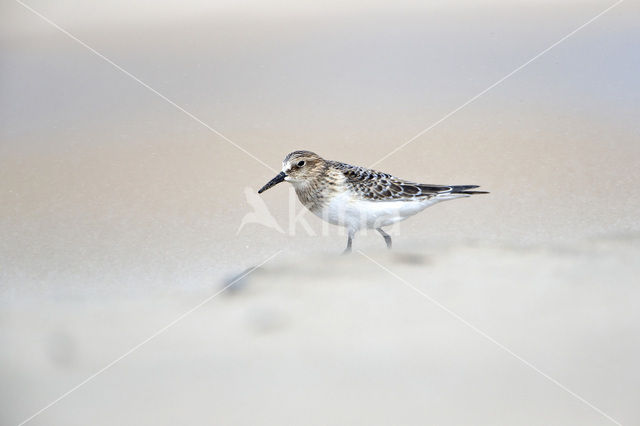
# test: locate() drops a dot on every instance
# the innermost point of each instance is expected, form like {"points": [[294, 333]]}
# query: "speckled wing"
{"points": [[377, 186]]}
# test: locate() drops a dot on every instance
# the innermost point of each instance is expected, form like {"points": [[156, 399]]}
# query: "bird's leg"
{"points": [[349, 241], [387, 237]]}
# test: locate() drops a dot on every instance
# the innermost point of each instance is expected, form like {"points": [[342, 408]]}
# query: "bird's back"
{"points": [[372, 185]]}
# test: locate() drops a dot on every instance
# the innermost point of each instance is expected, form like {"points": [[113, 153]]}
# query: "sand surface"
{"points": [[460, 335], [119, 213]]}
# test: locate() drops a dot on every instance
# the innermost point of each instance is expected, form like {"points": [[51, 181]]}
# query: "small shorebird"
{"points": [[357, 197]]}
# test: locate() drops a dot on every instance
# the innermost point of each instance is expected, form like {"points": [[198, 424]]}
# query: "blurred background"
{"points": [[119, 212]]}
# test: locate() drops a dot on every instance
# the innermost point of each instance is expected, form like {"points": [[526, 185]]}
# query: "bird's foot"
{"points": [[388, 241]]}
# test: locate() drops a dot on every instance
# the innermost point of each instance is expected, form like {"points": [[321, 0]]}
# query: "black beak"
{"points": [[276, 180]]}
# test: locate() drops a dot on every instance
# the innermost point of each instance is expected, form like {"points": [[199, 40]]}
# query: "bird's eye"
{"points": [[300, 163]]}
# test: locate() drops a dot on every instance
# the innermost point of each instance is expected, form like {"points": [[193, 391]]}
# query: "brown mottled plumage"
{"points": [[357, 197]]}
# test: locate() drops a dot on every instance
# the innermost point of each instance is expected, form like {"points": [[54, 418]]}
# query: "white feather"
{"points": [[356, 214]]}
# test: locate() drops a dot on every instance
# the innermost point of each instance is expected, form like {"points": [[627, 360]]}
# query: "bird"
{"points": [[357, 197]]}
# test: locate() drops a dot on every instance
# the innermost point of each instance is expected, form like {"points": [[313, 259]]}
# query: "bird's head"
{"points": [[298, 168]]}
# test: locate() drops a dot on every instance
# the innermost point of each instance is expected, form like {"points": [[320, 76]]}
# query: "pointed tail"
{"points": [[464, 189]]}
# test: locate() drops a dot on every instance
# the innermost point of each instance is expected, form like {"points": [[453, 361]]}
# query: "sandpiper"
{"points": [[357, 197]]}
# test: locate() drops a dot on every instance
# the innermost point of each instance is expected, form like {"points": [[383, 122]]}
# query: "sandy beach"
{"points": [[125, 223]]}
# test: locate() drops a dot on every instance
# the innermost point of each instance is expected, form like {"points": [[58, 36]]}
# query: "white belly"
{"points": [[356, 214]]}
